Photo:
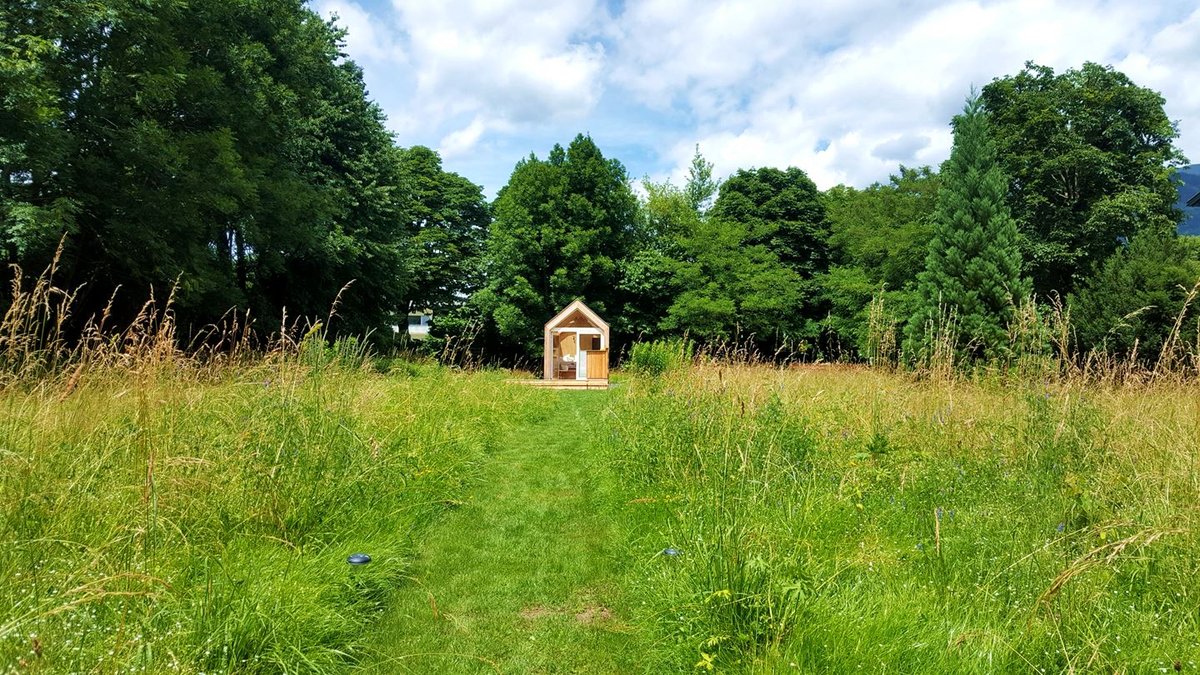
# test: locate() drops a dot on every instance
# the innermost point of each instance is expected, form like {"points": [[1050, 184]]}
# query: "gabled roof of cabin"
{"points": [[577, 306]]}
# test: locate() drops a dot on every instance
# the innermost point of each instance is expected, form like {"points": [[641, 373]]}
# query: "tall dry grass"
{"points": [[43, 343], [1041, 344]]}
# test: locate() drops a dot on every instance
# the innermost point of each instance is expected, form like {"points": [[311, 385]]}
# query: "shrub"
{"points": [[660, 356]]}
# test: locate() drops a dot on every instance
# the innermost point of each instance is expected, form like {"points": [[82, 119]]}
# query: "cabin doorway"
{"points": [[575, 349], [577, 345]]}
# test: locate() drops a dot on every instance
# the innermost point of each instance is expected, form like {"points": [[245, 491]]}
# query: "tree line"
{"points": [[230, 151], [1059, 197], [226, 148]]}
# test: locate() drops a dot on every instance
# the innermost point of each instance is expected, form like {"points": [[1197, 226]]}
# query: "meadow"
{"points": [[172, 516], [839, 519], [199, 520]]}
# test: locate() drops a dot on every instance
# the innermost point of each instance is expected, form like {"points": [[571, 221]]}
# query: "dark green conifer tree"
{"points": [[972, 279]]}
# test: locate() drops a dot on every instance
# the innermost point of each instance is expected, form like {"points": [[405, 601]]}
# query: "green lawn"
{"points": [[525, 576]]}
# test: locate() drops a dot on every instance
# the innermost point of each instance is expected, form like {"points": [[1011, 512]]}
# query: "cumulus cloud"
{"points": [[502, 58], [460, 141], [450, 73], [502, 64], [365, 38], [844, 90], [902, 148], [846, 93], [1165, 62]]}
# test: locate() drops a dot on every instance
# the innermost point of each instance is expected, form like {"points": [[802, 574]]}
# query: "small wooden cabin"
{"points": [[576, 346]]}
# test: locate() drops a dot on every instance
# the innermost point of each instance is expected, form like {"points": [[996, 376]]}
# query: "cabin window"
{"points": [[593, 343]]}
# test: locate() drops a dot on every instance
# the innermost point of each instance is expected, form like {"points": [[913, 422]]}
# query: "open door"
{"points": [[566, 357]]}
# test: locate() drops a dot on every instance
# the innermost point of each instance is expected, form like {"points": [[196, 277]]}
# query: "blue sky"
{"points": [[846, 91]]}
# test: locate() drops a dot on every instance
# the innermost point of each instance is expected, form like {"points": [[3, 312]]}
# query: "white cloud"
{"points": [[461, 141], [366, 40], [901, 148], [1166, 63], [884, 94], [845, 90], [505, 61]]}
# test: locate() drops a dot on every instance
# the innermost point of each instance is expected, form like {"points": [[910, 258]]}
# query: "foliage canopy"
{"points": [[561, 227], [1089, 156]]}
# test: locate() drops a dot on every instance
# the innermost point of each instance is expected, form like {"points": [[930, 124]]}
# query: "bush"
{"points": [[660, 356], [1138, 299]]}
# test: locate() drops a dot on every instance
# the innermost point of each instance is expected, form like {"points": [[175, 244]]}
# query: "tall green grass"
{"points": [[172, 506], [833, 519], [660, 356], [172, 520]]}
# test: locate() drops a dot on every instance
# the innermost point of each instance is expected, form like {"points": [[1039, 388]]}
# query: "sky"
{"points": [[845, 90]]}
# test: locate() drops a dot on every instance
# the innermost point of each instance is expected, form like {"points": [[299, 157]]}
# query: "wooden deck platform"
{"points": [[564, 384]]}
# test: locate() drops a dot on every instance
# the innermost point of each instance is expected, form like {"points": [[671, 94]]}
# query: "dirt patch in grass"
{"points": [[591, 615], [538, 612]]}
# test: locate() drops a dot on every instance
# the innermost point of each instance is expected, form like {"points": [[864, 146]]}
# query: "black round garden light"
{"points": [[358, 559]]}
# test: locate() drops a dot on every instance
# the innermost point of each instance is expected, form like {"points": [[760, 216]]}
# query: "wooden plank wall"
{"points": [[597, 365]]}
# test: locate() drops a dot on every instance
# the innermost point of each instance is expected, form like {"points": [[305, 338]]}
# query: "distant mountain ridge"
{"points": [[1190, 175]]}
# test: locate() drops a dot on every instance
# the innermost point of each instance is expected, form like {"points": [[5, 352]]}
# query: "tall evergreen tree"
{"points": [[973, 267]]}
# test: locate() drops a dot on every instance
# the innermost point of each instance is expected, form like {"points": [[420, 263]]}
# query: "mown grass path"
{"points": [[524, 577]]}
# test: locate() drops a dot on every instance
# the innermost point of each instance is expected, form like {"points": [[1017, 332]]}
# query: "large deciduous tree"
{"points": [[972, 270], [726, 283], [447, 217], [783, 211], [879, 239], [717, 273], [1089, 156], [653, 276], [780, 214], [666, 216], [884, 229], [561, 226], [226, 145], [35, 210]]}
